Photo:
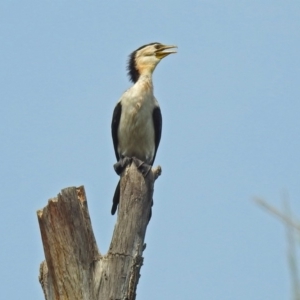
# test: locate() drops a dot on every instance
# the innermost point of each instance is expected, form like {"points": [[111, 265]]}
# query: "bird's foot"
{"points": [[122, 164], [125, 161], [142, 166]]}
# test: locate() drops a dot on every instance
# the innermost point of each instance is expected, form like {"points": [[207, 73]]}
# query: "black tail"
{"points": [[116, 199]]}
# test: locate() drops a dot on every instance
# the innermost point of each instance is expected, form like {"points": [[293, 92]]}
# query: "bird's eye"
{"points": [[157, 46]]}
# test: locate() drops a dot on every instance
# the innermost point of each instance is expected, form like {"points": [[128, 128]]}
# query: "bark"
{"points": [[73, 268]]}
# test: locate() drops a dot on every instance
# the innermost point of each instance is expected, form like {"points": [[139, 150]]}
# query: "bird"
{"points": [[137, 121]]}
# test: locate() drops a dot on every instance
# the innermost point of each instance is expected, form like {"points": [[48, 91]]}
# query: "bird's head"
{"points": [[145, 59]]}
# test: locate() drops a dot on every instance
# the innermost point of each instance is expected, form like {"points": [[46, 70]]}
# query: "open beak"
{"points": [[165, 50]]}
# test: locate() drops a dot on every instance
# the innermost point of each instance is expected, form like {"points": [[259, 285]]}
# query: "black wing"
{"points": [[157, 122], [114, 127]]}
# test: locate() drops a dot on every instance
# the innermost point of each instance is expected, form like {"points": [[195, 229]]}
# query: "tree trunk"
{"points": [[74, 269]]}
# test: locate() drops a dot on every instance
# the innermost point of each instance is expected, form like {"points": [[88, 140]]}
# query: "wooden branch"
{"points": [[74, 268]]}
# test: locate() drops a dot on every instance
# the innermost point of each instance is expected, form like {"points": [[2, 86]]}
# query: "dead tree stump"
{"points": [[74, 269]]}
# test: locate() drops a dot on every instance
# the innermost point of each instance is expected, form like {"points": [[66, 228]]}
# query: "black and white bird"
{"points": [[137, 121]]}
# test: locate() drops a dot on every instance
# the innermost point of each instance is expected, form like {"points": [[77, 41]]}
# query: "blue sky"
{"points": [[231, 127]]}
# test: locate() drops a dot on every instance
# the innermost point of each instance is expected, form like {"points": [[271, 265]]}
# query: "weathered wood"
{"points": [[74, 268], [69, 245]]}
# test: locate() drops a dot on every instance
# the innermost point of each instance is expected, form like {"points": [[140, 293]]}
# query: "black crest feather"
{"points": [[133, 73]]}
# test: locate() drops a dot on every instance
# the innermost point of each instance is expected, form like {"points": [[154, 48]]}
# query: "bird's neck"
{"points": [[145, 82]]}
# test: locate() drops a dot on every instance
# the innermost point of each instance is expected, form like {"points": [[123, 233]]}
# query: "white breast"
{"points": [[136, 129]]}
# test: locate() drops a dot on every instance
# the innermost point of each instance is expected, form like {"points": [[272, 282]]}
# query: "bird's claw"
{"points": [[122, 164], [142, 166], [125, 161]]}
